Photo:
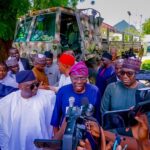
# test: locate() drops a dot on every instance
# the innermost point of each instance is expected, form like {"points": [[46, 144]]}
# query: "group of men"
{"points": [[34, 105], [8, 70]]}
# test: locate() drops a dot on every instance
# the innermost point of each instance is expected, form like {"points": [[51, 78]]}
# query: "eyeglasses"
{"points": [[33, 85], [79, 78], [128, 73]]}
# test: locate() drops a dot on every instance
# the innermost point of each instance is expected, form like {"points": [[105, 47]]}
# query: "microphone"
{"points": [[86, 108], [71, 101]]}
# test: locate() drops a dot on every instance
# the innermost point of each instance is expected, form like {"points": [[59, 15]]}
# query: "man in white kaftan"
{"points": [[25, 115]]}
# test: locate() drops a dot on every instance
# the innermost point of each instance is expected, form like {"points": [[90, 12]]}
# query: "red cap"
{"points": [[67, 59]]}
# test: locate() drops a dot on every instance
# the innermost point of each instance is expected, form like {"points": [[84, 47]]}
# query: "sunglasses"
{"points": [[128, 73], [33, 85]]}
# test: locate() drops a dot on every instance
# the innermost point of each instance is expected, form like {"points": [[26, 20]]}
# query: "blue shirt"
{"points": [[103, 78], [62, 101], [5, 90]]}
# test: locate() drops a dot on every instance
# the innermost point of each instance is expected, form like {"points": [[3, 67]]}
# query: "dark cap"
{"points": [[25, 76], [48, 54], [107, 55]]}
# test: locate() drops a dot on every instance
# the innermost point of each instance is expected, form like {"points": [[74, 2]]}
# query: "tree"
{"points": [[9, 10], [146, 26], [43, 4]]}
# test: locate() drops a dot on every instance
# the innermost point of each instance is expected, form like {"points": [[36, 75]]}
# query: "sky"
{"points": [[114, 11]]}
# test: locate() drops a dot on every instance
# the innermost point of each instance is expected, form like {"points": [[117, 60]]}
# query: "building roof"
{"points": [[105, 25], [122, 26]]}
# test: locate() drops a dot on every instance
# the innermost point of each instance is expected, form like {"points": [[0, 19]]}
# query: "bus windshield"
{"points": [[44, 28], [23, 29]]}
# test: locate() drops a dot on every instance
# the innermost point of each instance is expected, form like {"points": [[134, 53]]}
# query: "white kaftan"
{"points": [[23, 120], [64, 80]]}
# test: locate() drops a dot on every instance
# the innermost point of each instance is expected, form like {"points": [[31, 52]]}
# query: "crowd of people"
{"points": [[34, 100]]}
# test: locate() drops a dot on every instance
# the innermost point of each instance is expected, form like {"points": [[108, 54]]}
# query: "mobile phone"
{"points": [[46, 143], [118, 119], [142, 94], [143, 107], [124, 118]]}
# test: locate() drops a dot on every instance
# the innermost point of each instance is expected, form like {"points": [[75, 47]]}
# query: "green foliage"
{"points": [[9, 10], [73, 3], [5, 31], [146, 26], [146, 65], [127, 38], [115, 38], [132, 31], [43, 4]]}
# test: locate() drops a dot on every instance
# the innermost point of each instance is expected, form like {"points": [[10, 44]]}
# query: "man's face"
{"points": [[78, 83], [3, 72], [40, 67], [114, 54], [49, 61], [127, 76], [105, 61], [62, 67], [14, 53], [29, 89], [14, 69]]}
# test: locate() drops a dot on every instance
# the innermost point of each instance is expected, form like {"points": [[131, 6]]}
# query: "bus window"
{"points": [[44, 28], [69, 33], [23, 30]]}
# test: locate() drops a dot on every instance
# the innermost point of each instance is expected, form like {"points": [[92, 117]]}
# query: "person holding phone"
{"points": [[121, 94], [140, 140], [141, 132]]}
